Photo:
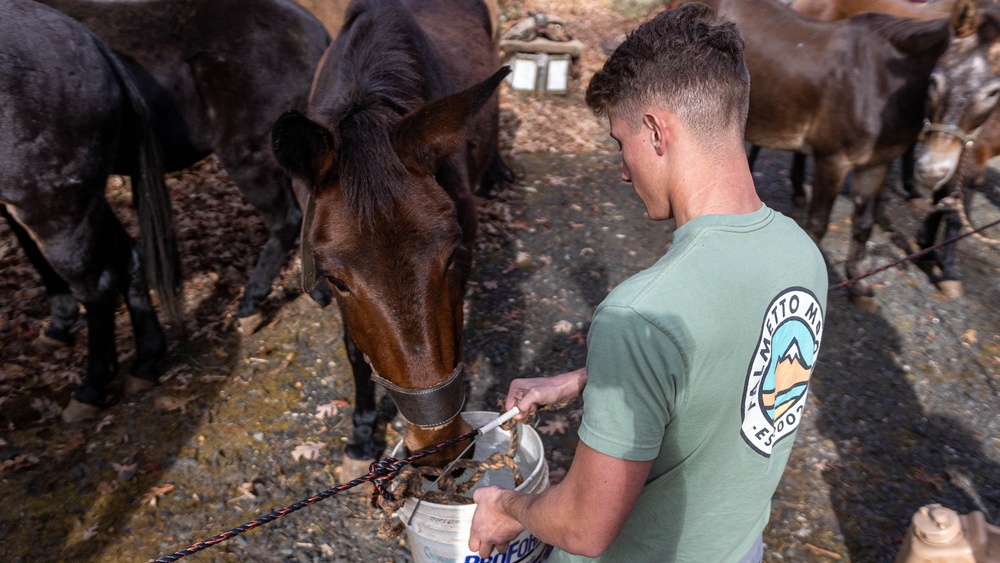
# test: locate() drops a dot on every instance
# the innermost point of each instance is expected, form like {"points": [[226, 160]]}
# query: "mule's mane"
{"points": [[910, 36], [381, 78]]}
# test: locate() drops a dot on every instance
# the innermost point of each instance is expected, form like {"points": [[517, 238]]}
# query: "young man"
{"points": [[697, 368]]}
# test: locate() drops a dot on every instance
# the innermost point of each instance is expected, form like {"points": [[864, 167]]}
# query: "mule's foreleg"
{"points": [[866, 187], [362, 444], [270, 192], [798, 177], [907, 163], [951, 282], [828, 176]]}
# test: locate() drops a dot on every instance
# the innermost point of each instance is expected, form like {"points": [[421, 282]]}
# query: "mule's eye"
{"points": [[338, 284], [451, 258]]}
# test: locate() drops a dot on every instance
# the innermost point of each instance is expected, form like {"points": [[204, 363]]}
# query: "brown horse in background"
{"points": [[854, 94], [401, 128], [832, 10], [940, 172]]}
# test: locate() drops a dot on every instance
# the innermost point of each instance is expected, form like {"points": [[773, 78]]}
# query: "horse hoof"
{"points": [[951, 288], [76, 411], [135, 385], [351, 469], [919, 205], [866, 303], [45, 343], [249, 325]]}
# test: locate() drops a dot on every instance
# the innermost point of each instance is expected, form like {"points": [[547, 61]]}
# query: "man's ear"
{"points": [[657, 129]]}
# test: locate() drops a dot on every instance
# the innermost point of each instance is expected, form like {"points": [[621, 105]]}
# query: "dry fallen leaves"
{"points": [[556, 425], [308, 450], [246, 492], [125, 471], [330, 409], [823, 552], [104, 423], [171, 403], [19, 462], [157, 491], [970, 338], [931, 479], [46, 407], [563, 327], [283, 365]]}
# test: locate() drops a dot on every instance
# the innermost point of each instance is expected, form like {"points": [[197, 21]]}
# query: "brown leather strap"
{"points": [[431, 407]]}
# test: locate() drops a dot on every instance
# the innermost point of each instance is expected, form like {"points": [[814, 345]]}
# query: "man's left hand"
{"points": [[492, 526]]}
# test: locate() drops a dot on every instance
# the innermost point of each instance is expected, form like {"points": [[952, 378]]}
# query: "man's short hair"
{"points": [[688, 61]]}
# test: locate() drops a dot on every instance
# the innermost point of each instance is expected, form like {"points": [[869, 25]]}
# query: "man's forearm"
{"points": [[554, 518]]}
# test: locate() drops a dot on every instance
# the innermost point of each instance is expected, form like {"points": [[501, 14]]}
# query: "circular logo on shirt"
{"points": [[778, 377]]}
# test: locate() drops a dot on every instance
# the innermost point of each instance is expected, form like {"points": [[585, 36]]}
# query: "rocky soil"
{"points": [[904, 407]]}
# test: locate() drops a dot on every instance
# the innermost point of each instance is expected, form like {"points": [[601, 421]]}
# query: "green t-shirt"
{"points": [[702, 363]]}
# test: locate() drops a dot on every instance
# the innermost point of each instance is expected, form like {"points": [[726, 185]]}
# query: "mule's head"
{"points": [[389, 240], [964, 88]]}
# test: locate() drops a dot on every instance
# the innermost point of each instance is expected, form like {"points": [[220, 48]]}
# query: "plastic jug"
{"points": [[940, 535]]}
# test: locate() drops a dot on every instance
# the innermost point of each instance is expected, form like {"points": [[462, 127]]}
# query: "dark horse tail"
{"points": [[150, 197]]}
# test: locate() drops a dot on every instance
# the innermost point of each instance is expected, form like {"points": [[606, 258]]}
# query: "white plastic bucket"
{"points": [[439, 533]]}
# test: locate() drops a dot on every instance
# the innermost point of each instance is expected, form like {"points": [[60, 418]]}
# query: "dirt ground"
{"points": [[903, 408]]}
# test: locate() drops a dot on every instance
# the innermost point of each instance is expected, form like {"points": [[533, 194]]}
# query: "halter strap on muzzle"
{"points": [[431, 407], [949, 129]]}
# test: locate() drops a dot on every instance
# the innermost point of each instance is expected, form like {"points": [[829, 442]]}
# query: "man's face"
{"points": [[638, 164]]}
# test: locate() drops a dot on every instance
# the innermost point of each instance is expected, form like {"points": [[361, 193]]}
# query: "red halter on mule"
{"points": [[402, 126]]}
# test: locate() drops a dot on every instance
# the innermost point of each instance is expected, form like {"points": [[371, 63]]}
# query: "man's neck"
{"points": [[713, 183]]}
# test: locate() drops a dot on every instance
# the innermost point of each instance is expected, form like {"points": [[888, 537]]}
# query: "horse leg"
{"points": [[928, 231], [828, 176], [271, 193], [362, 444], [951, 283], [798, 177], [497, 175], [150, 340], [102, 359], [63, 306], [96, 271], [866, 187], [906, 165]]}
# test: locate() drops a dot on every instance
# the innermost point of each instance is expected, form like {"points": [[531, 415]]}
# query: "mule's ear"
{"points": [[437, 129], [303, 147], [963, 18], [989, 26]]}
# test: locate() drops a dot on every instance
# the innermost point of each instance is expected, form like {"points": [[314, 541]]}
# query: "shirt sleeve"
{"points": [[634, 372]]}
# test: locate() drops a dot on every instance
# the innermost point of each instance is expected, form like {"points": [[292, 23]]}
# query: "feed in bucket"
{"points": [[439, 533]]}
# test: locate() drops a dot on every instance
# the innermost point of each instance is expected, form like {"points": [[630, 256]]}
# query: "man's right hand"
{"points": [[530, 393]]}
